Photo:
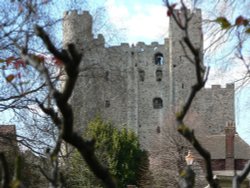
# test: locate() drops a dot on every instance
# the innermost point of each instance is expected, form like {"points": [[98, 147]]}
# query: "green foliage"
{"points": [[225, 24], [240, 21], [119, 150]]}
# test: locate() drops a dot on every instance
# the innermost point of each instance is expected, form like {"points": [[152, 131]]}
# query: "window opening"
{"points": [[158, 75], [107, 103], [157, 103], [159, 60], [141, 75], [158, 129], [107, 75]]}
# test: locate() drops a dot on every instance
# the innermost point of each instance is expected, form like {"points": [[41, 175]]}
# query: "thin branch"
{"points": [[23, 94], [71, 60], [50, 111], [238, 179], [200, 82], [50, 46]]}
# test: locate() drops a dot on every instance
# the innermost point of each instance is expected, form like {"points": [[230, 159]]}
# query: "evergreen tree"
{"points": [[118, 149]]}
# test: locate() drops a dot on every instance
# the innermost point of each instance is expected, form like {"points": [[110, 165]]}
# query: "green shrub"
{"points": [[118, 149]]}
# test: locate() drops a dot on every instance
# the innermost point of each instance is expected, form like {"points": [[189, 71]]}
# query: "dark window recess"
{"points": [[157, 103], [174, 65], [158, 129], [182, 86], [107, 75], [158, 75], [107, 103], [141, 75], [159, 60]]}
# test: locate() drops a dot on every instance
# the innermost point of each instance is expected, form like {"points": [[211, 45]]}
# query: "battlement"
{"points": [[140, 47], [154, 43], [140, 44], [217, 86], [196, 11], [77, 28], [143, 44], [77, 13]]}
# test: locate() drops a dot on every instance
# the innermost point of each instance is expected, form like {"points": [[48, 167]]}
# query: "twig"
{"points": [[71, 60], [200, 82]]}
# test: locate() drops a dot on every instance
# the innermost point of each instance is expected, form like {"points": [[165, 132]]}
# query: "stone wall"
{"points": [[137, 86], [215, 107]]}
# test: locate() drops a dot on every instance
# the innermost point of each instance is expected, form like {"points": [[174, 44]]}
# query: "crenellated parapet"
{"points": [[227, 89], [215, 106], [77, 28], [218, 86], [141, 45]]}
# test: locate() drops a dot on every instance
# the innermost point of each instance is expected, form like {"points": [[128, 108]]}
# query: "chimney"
{"points": [[229, 144]]}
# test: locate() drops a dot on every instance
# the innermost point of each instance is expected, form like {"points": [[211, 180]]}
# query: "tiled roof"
{"points": [[216, 145], [241, 148]]}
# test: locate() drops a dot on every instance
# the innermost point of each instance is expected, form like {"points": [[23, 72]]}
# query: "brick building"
{"points": [[229, 153]]}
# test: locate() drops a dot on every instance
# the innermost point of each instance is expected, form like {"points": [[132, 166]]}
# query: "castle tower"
{"points": [[182, 71], [77, 28], [87, 99], [150, 64]]}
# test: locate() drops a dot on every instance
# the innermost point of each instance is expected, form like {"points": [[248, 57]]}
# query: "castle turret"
{"points": [[182, 71], [77, 28]]}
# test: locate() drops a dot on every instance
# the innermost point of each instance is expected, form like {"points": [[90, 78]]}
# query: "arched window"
{"points": [[141, 75], [158, 75], [157, 103], [159, 60]]}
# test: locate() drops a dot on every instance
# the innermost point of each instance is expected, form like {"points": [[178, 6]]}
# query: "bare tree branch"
{"points": [[71, 59], [238, 179], [200, 82]]}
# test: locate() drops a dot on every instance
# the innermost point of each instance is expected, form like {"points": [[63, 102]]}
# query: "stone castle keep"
{"points": [[137, 86]]}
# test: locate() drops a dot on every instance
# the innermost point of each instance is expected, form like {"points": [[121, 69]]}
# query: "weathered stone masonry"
{"points": [[136, 86]]}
